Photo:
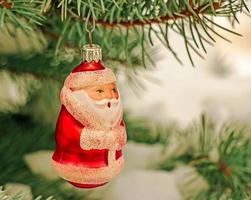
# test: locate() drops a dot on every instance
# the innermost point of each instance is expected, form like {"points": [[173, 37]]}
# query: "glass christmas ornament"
{"points": [[90, 132]]}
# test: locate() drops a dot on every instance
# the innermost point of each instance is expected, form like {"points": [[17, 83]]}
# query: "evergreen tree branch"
{"points": [[119, 25], [22, 13], [222, 157], [140, 14], [6, 4], [159, 20], [19, 196]]}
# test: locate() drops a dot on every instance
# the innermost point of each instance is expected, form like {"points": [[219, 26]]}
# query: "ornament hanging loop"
{"points": [[92, 27]]}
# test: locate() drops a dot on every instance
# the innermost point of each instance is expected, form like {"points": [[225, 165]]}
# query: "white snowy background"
{"points": [[220, 85]]}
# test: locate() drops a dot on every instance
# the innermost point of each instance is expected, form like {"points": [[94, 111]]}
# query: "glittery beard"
{"points": [[106, 111]]}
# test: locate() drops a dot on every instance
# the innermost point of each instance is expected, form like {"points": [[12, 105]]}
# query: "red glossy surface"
{"points": [[68, 150], [88, 66], [79, 185]]}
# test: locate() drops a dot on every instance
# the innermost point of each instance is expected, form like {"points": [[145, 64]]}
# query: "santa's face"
{"points": [[100, 92], [102, 101]]}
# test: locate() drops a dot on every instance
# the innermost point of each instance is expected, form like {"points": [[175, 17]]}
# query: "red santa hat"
{"points": [[91, 71]]}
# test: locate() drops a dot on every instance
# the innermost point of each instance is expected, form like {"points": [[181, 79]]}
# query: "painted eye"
{"points": [[114, 90], [99, 91]]}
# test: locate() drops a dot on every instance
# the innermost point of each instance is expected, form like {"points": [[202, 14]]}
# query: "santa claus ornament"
{"points": [[90, 131]]}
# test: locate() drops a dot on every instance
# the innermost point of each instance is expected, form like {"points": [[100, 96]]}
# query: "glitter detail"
{"points": [[86, 175], [111, 157], [113, 139], [79, 80], [82, 112]]}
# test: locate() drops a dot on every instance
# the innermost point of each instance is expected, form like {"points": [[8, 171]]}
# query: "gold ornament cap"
{"points": [[91, 53]]}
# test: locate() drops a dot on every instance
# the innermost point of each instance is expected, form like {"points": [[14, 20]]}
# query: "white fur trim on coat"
{"points": [[86, 175], [113, 139]]}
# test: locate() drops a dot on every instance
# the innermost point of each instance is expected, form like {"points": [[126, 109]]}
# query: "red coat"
{"points": [[68, 150]]}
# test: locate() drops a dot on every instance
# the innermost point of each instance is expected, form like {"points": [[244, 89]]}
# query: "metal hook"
{"points": [[92, 28]]}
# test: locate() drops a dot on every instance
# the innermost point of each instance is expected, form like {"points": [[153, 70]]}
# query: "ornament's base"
{"points": [[80, 185]]}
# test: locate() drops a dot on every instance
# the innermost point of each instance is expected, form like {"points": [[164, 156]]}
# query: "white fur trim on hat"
{"points": [[77, 80]]}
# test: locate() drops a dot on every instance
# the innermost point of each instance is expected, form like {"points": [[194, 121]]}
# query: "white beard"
{"points": [[96, 114]]}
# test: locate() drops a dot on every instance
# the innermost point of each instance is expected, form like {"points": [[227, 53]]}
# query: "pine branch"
{"points": [[21, 127], [125, 30], [19, 196], [222, 157], [22, 13], [6, 4], [23, 64], [159, 20], [141, 13]]}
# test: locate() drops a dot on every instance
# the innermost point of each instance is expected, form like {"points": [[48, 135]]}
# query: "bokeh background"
{"points": [[171, 98]]}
